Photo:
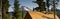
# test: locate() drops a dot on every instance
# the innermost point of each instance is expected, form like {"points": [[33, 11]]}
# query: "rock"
{"points": [[40, 15]]}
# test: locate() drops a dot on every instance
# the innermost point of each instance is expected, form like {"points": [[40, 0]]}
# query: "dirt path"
{"points": [[40, 15]]}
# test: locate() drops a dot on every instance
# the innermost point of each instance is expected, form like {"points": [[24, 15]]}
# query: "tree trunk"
{"points": [[0, 9], [3, 12]]}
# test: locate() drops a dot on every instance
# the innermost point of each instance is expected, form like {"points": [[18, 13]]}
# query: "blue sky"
{"points": [[12, 5], [27, 3]]}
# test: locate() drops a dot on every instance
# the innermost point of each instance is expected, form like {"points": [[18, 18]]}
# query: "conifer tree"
{"points": [[5, 6], [41, 5], [16, 10]]}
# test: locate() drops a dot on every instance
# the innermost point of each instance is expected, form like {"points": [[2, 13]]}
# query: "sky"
{"points": [[12, 5], [27, 3]]}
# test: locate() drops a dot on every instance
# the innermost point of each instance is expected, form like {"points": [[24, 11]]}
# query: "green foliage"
{"points": [[16, 10], [8, 16], [5, 4], [41, 5], [6, 8], [19, 16]]}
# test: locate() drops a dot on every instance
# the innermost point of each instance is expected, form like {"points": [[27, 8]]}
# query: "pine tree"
{"points": [[5, 4], [16, 10], [41, 5]]}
